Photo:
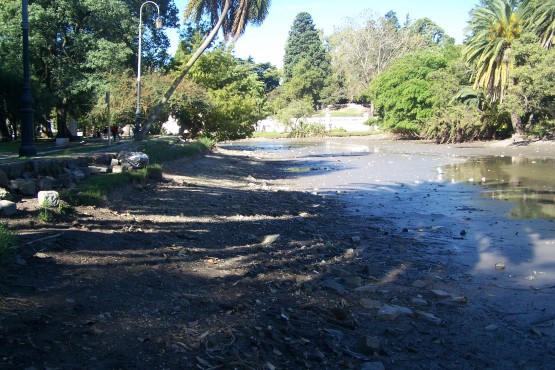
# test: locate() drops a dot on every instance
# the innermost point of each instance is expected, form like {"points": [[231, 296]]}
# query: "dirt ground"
{"points": [[226, 265]]}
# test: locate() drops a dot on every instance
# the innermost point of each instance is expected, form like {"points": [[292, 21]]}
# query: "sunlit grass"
{"points": [[8, 241], [95, 190]]}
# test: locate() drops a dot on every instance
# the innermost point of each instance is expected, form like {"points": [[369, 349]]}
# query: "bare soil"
{"points": [[225, 264]]}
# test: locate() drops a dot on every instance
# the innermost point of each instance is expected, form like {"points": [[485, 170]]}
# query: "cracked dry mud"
{"points": [[225, 264]]}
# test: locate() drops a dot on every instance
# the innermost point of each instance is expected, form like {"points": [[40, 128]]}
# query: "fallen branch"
{"points": [[41, 239]]}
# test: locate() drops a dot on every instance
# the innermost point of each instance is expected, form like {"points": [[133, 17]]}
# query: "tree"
{"points": [[431, 33], [539, 17], [235, 15], [532, 91], [74, 44], [493, 27], [306, 63], [366, 45], [402, 94]]}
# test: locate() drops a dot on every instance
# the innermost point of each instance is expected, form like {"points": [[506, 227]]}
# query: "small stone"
{"points": [[98, 169], [355, 239], [118, 169], [463, 232], [460, 299], [418, 284], [429, 317], [370, 303], [7, 208], [270, 239], [419, 301], [4, 194], [500, 266], [373, 342], [349, 252], [390, 313], [367, 289], [440, 293], [491, 327]]}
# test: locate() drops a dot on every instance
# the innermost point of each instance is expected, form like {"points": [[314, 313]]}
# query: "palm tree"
{"points": [[240, 14], [539, 17], [232, 15], [493, 26]]}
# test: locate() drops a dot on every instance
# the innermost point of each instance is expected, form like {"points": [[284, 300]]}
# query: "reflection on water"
{"points": [[528, 183]]}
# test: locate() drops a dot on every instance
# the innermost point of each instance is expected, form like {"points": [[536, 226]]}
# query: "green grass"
{"points": [[8, 241], [95, 190], [168, 148], [10, 147]]}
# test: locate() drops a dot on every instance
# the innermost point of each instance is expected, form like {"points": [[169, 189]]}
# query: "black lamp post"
{"points": [[27, 148], [138, 117]]}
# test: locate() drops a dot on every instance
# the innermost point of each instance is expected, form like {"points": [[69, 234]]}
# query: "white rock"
{"points": [[7, 208], [48, 198]]}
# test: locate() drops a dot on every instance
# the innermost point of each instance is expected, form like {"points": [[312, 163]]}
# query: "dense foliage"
{"points": [[418, 83], [501, 83], [306, 63]]}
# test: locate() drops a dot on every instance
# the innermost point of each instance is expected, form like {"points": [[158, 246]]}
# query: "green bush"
{"points": [[8, 241], [304, 130], [456, 124]]}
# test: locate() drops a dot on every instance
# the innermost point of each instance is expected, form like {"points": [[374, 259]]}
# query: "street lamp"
{"points": [[138, 125], [27, 148]]}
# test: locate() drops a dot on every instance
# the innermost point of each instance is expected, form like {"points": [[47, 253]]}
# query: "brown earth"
{"points": [[225, 264]]}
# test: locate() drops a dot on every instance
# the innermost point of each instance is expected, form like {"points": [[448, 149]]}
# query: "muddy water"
{"points": [[489, 207]]}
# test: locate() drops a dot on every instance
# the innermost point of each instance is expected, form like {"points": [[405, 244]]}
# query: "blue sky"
{"points": [[266, 43]]}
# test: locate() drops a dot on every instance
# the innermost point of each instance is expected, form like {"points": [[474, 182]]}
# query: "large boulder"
{"points": [[24, 186], [7, 208]]}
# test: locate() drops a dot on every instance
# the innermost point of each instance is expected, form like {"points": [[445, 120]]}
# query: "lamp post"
{"points": [[137, 129], [27, 148]]}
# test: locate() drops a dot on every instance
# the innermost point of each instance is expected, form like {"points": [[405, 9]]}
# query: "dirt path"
{"points": [[226, 265]]}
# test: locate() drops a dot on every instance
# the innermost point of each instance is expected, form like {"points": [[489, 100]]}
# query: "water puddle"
{"points": [[528, 183]]}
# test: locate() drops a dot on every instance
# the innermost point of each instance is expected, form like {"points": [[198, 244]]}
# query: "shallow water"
{"points": [[528, 183], [479, 204]]}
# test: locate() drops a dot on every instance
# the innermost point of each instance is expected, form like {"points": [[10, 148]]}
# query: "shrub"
{"points": [[308, 130], [8, 241]]}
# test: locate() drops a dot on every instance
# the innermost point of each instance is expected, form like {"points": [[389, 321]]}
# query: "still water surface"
{"points": [[527, 182]]}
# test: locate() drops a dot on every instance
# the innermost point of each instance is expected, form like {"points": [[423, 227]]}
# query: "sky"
{"points": [[266, 43]]}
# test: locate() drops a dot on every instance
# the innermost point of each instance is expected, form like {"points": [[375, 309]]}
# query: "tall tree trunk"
{"points": [[516, 122], [61, 119], [156, 111]]}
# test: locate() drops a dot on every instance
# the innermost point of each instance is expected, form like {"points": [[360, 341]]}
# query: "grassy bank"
{"points": [[94, 190]]}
